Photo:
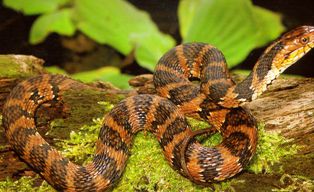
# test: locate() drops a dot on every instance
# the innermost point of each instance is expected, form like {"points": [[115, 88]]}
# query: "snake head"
{"points": [[295, 44]]}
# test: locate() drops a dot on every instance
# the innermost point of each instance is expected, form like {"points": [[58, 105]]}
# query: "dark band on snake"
{"points": [[217, 99]]}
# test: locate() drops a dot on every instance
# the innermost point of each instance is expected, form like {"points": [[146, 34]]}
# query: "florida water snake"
{"points": [[216, 99]]}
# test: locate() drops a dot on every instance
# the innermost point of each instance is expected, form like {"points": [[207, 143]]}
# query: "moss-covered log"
{"points": [[14, 68], [286, 108]]}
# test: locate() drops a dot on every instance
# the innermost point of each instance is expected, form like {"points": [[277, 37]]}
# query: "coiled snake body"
{"points": [[217, 99]]}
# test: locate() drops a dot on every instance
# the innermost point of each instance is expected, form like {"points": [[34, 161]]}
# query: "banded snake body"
{"points": [[217, 99]]}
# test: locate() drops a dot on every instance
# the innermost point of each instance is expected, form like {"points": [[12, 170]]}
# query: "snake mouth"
{"points": [[293, 56]]}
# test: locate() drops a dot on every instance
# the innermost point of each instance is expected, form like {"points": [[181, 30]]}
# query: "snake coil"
{"points": [[217, 99]]}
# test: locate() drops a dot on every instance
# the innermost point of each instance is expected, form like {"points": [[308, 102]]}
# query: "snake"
{"points": [[191, 78]]}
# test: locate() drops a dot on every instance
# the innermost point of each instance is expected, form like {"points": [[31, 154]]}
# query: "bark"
{"points": [[287, 107]]}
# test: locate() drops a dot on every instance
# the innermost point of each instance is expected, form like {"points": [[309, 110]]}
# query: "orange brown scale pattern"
{"points": [[152, 113], [217, 99], [194, 61], [202, 62]]}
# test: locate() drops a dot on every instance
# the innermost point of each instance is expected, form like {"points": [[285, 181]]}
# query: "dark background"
{"points": [[15, 27]]}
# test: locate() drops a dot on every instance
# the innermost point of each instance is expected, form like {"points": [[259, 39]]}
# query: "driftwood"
{"points": [[287, 108]]}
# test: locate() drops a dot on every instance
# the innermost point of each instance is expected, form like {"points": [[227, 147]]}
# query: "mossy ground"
{"points": [[147, 170], [19, 66]]}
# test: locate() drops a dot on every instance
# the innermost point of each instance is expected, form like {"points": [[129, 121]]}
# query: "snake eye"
{"points": [[304, 40]]}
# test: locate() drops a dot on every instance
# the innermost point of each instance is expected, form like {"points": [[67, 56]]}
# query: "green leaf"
{"points": [[108, 74], [55, 70], [149, 51], [34, 7], [269, 24], [59, 22], [186, 11], [234, 26], [124, 27]]}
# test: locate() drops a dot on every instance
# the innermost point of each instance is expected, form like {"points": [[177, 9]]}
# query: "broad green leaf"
{"points": [[187, 11], [124, 27], [269, 24], [148, 54], [109, 74], [55, 70], [234, 26], [59, 22], [34, 7]]}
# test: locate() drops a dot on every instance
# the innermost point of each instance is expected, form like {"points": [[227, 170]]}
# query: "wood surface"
{"points": [[287, 107]]}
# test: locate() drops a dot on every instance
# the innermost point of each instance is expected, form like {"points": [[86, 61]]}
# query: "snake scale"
{"points": [[217, 99]]}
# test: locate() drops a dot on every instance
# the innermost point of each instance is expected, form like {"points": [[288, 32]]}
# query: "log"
{"points": [[287, 108], [14, 68]]}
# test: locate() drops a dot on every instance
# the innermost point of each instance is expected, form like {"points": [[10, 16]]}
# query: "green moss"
{"points": [[85, 139], [83, 108], [2, 147], [271, 148], [19, 66], [209, 141], [12, 71], [24, 184], [197, 124], [147, 169], [295, 183]]}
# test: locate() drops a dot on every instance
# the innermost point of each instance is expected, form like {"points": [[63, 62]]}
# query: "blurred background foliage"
{"points": [[236, 27]]}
